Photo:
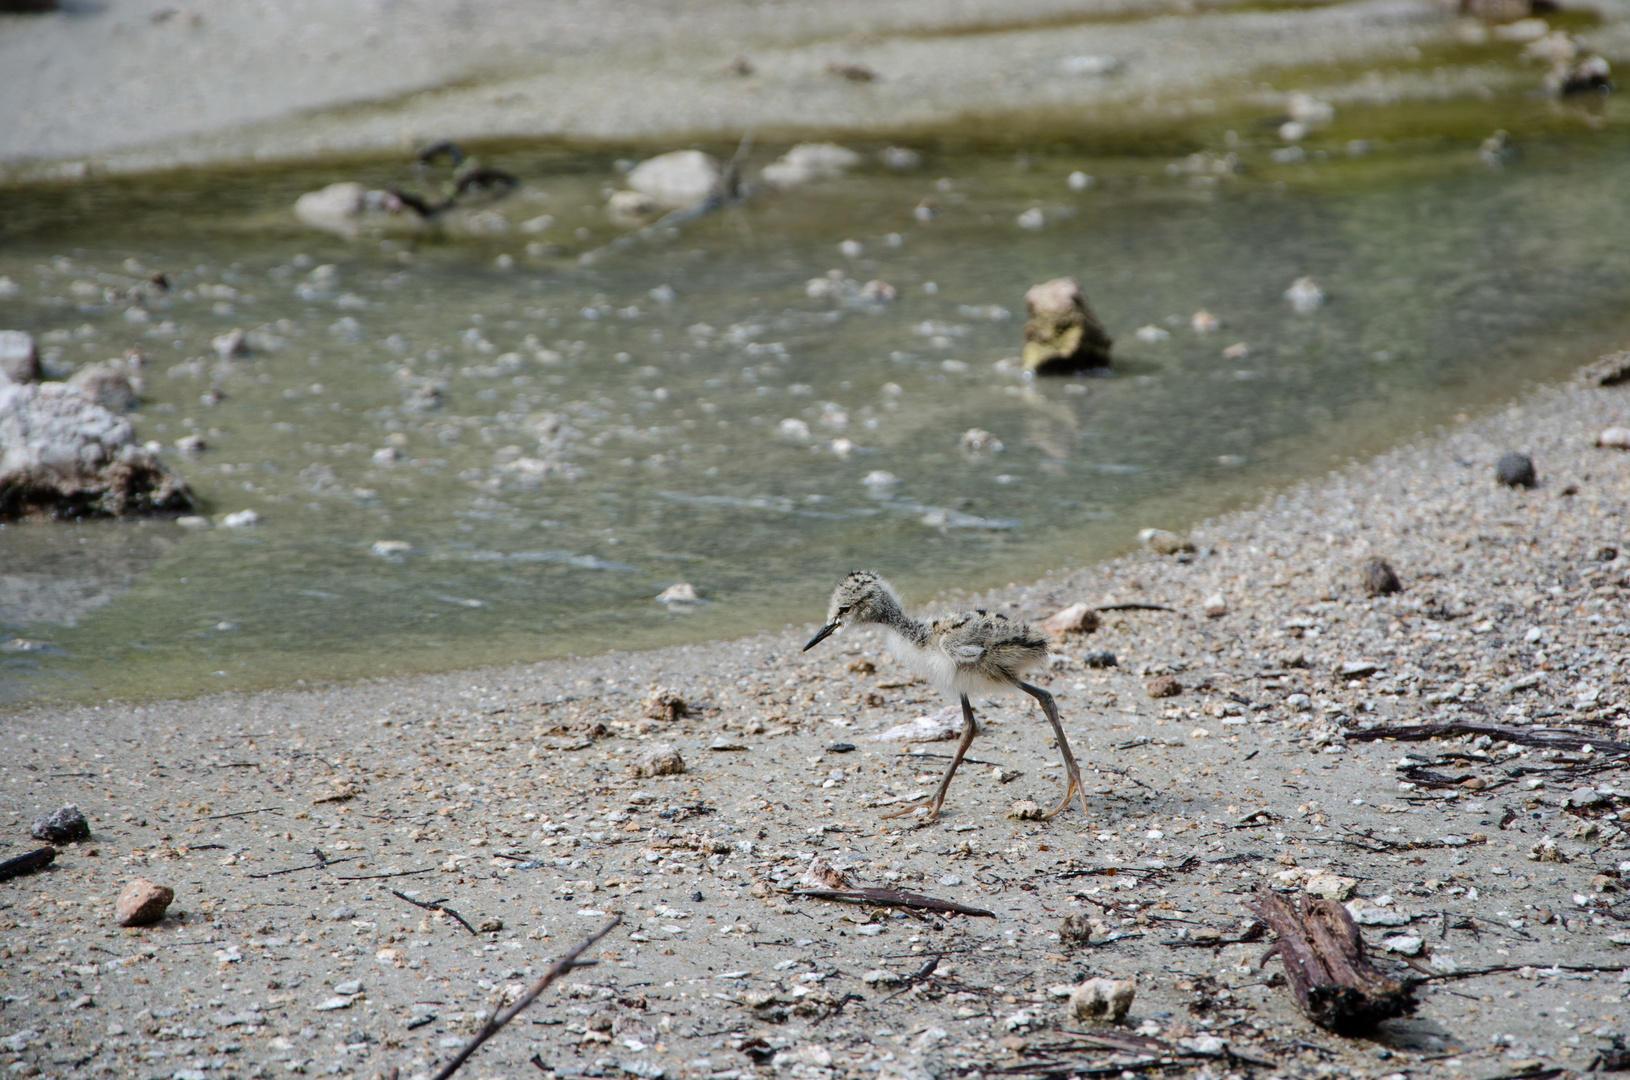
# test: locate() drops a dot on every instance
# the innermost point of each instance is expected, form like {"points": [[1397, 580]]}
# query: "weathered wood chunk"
{"points": [[1323, 954]]}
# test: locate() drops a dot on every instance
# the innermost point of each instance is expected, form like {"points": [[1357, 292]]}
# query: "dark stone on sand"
{"points": [[1379, 579], [61, 826], [1515, 470], [840, 748], [1101, 659]]}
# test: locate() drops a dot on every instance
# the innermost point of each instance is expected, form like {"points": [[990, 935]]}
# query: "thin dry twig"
{"points": [[1136, 607], [496, 1024], [436, 905], [894, 898]]}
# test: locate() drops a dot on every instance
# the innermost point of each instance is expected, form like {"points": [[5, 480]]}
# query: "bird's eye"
{"points": [[844, 610]]}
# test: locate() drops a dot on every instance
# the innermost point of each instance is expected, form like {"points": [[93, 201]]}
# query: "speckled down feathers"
{"points": [[965, 652]]}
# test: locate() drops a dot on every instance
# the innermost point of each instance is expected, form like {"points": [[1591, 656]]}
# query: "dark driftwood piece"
{"points": [[1324, 960], [894, 898], [1553, 738], [24, 864]]}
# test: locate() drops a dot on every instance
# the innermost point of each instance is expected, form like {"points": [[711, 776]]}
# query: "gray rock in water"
{"points": [[61, 826], [1379, 579], [106, 385], [64, 456], [19, 360], [1515, 470], [1062, 334], [678, 180]]}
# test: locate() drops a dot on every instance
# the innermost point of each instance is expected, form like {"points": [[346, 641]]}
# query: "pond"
{"points": [[501, 441]]}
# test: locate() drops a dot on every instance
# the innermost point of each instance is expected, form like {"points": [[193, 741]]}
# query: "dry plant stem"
{"points": [[895, 898], [436, 905], [496, 1024], [1323, 955]]}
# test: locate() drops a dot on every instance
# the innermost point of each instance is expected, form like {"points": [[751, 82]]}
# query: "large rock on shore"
{"points": [[1062, 334], [63, 456]]}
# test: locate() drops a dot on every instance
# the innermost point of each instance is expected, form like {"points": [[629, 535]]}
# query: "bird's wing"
{"points": [[959, 638]]}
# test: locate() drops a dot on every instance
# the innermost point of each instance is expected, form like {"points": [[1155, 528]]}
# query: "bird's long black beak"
{"points": [[826, 631]]}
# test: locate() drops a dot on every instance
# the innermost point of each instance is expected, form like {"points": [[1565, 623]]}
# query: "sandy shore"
{"points": [[1491, 862], [143, 84]]}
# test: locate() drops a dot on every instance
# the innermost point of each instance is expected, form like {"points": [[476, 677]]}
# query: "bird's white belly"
{"points": [[941, 671]]}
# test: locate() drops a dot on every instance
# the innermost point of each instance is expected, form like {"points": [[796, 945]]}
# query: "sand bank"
{"points": [[509, 792]]}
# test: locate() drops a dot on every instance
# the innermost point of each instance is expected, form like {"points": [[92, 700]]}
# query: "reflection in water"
{"points": [[486, 450], [59, 574]]}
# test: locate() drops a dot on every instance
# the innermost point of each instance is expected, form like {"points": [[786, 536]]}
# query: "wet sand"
{"points": [[1496, 859]]}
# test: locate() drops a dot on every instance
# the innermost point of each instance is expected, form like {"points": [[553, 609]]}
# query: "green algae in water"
{"points": [[463, 454]]}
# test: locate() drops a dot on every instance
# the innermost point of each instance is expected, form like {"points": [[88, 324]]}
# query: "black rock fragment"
{"points": [[61, 826]]}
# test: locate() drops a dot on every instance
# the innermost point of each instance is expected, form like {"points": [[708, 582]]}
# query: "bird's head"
{"points": [[861, 597]]}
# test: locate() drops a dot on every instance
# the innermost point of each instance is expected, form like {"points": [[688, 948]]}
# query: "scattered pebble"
{"points": [[1162, 542], [1304, 295], [1103, 999], [1331, 886], [1164, 686], [658, 759], [61, 826], [1515, 470], [142, 903], [1025, 810], [979, 444], [682, 593], [1378, 578], [243, 519], [1078, 618], [665, 705]]}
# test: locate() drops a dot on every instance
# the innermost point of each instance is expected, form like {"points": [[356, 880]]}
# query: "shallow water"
{"points": [[466, 450]]}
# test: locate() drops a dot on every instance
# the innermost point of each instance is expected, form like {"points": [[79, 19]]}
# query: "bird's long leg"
{"points": [[970, 728], [1074, 785]]}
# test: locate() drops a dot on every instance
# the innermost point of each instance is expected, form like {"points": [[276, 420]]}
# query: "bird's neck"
{"points": [[908, 628]]}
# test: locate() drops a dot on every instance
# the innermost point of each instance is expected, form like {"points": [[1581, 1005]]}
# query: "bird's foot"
{"points": [[933, 806], [1069, 790]]}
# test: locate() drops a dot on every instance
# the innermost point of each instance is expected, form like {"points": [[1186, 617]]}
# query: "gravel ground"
{"points": [[510, 795]]}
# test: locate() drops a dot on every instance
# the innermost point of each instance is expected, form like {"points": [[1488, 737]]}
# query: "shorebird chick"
{"points": [[966, 652]]}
